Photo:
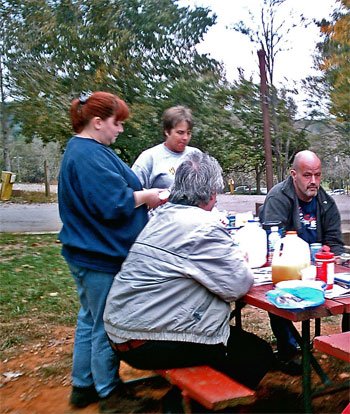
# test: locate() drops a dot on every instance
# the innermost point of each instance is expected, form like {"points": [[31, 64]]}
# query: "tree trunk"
{"points": [[4, 123], [258, 174], [276, 130], [47, 179], [264, 94]]}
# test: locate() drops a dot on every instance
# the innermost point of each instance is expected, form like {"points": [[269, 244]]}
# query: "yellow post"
{"points": [[231, 184], [7, 180]]}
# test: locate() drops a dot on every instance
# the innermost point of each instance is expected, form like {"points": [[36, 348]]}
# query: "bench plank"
{"points": [[346, 409], [337, 345], [212, 389]]}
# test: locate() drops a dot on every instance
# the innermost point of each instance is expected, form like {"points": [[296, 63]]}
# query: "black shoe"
{"points": [[292, 366], [122, 400], [83, 396], [172, 402]]}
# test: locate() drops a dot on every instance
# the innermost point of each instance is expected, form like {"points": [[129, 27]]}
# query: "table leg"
{"points": [[316, 366], [305, 347], [317, 327], [345, 324]]}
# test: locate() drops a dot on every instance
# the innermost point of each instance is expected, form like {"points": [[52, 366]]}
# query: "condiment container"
{"points": [[324, 260]]}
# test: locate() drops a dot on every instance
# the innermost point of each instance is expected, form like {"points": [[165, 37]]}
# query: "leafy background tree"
{"points": [[329, 97], [270, 32], [136, 49], [144, 51], [334, 60]]}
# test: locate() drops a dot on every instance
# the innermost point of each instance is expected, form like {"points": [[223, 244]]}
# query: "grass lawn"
{"points": [[38, 308], [36, 287]]}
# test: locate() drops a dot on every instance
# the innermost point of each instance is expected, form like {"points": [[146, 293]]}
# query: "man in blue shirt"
{"points": [[301, 204]]}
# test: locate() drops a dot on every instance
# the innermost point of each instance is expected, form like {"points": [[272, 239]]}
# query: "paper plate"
{"points": [[296, 298], [316, 284]]}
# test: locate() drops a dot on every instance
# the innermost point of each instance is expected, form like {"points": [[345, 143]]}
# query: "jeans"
{"points": [[246, 357], [94, 361], [286, 343]]}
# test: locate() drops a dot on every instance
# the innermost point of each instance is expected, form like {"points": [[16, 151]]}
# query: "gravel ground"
{"points": [[33, 187], [228, 202]]}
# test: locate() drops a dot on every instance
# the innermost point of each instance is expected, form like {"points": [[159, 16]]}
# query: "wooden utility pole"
{"points": [[4, 131], [47, 180], [264, 96]]}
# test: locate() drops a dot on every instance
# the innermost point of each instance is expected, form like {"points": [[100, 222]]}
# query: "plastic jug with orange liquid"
{"points": [[290, 256]]}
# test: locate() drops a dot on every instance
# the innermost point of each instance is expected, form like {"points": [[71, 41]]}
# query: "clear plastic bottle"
{"points": [[272, 239]]}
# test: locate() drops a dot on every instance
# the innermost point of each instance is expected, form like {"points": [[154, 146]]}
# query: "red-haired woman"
{"points": [[103, 208]]}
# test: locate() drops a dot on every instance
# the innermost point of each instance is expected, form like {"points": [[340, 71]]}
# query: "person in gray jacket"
{"points": [[301, 204], [169, 305]]}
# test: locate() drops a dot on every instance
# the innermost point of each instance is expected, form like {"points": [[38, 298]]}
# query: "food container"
{"points": [[290, 256], [324, 260]]}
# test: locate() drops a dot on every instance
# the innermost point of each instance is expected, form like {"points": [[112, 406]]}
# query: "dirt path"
{"points": [[36, 376]]}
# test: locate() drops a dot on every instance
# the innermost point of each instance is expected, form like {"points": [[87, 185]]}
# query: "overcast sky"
{"points": [[235, 50]]}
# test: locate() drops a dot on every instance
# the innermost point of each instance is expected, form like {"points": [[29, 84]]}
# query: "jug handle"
{"points": [[281, 249]]}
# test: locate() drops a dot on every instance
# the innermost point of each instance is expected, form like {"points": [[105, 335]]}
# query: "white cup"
{"points": [[308, 273]]}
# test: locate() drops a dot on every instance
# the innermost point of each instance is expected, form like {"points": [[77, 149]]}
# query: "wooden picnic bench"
{"points": [[346, 409], [210, 388], [337, 345]]}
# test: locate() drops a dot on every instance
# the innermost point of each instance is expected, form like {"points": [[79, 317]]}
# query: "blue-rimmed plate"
{"points": [[315, 284], [296, 298]]}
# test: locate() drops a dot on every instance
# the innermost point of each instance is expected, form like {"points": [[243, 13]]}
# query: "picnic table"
{"points": [[336, 306]]}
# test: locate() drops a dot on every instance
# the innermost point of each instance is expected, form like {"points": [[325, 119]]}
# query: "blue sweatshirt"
{"points": [[97, 207]]}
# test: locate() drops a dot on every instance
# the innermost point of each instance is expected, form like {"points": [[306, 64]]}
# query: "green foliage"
{"points": [[329, 92], [28, 158], [327, 138], [36, 283], [248, 142], [144, 51], [333, 59], [137, 49], [270, 31]]}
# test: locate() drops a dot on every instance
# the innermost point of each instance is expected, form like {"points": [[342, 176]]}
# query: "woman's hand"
{"points": [[151, 197]]}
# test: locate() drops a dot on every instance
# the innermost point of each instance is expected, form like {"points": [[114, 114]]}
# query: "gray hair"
{"points": [[197, 178], [174, 115]]}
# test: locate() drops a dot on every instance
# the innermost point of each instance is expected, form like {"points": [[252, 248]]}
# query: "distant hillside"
{"points": [[331, 142]]}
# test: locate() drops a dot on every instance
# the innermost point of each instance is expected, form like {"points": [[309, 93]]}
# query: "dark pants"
{"points": [[246, 357], [345, 323], [286, 343]]}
